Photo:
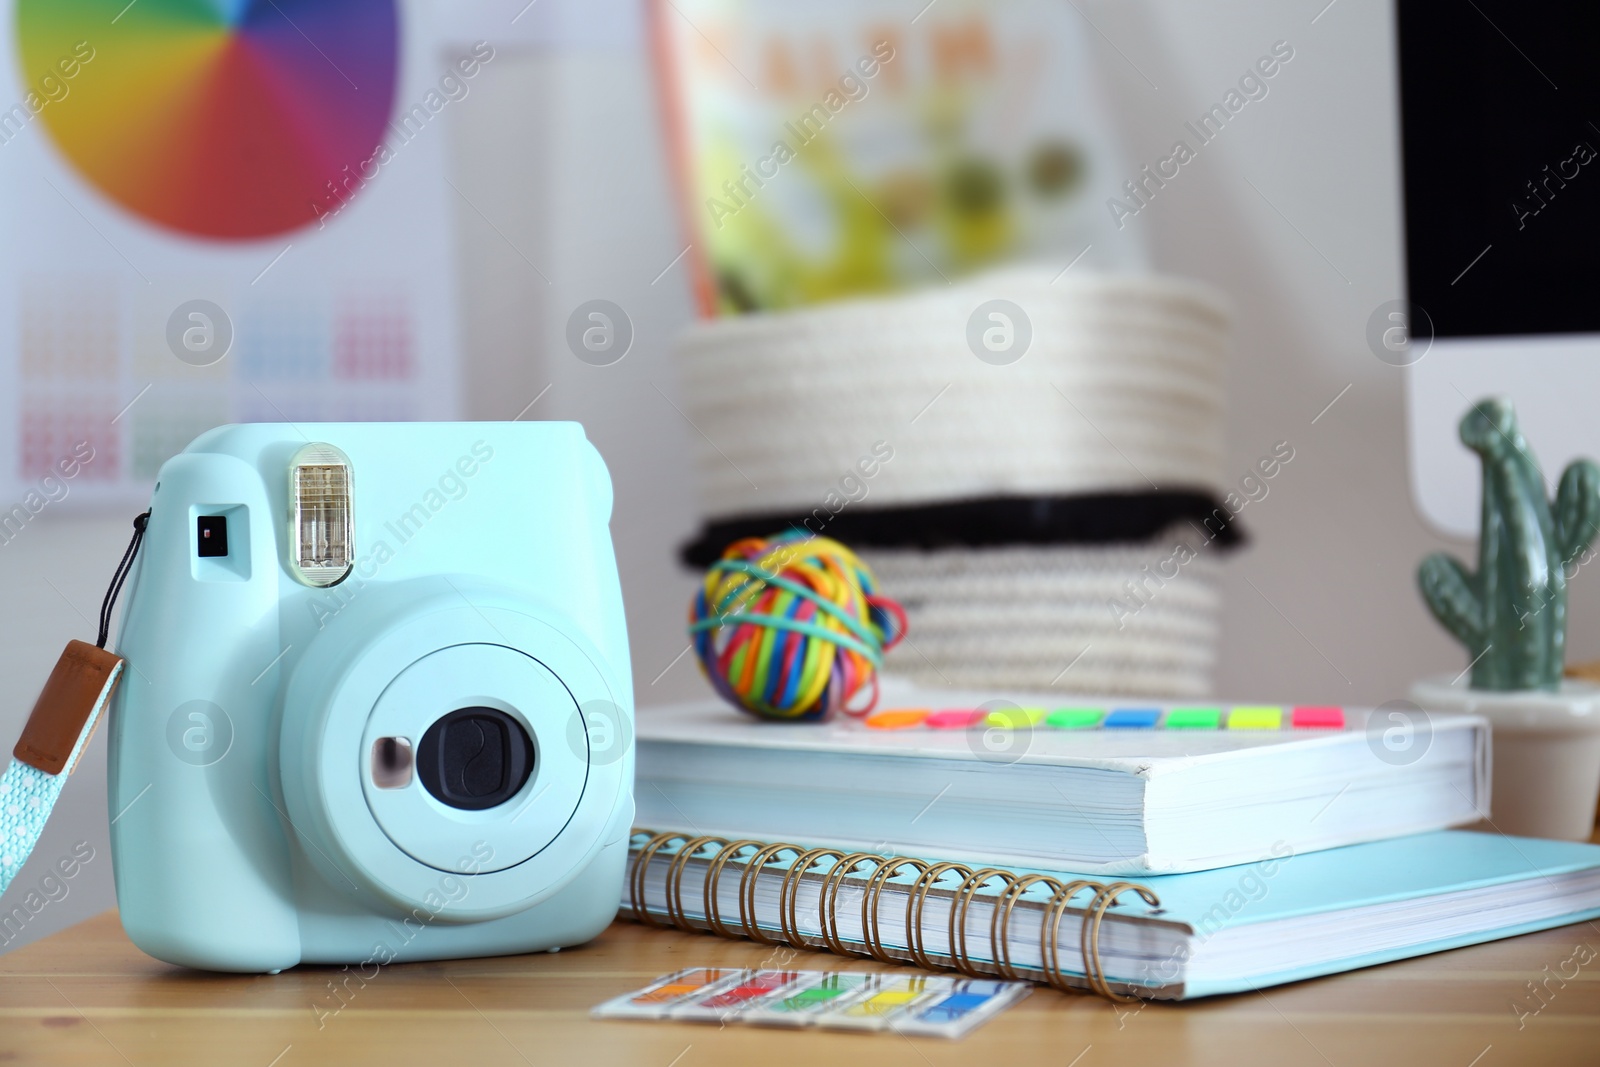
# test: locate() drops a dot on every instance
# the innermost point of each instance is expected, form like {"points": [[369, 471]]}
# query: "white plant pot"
{"points": [[1546, 753]]}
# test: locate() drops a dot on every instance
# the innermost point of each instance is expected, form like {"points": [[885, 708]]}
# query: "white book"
{"points": [[1031, 785]]}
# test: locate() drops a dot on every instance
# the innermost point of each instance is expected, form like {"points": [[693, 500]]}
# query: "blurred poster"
{"points": [[846, 147], [217, 213]]}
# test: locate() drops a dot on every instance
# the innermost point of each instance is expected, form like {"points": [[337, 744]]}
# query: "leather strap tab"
{"points": [[81, 682]]}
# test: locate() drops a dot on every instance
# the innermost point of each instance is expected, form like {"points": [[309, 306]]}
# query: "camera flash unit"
{"points": [[320, 524]]}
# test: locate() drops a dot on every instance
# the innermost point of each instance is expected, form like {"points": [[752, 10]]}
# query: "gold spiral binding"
{"points": [[914, 904], [1000, 921], [1050, 934], [870, 933], [747, 890], [1093, 970], [828, 905], [960, 959], [641, 867], [789, 893], [1014, 888], [714, 879], [686, 852]]}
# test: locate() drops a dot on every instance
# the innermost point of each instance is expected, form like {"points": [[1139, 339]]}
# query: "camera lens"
{"points": [[475, 758]]}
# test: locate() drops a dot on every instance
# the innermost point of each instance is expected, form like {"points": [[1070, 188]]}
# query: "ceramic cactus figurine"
{"points": [[1512, 614]]}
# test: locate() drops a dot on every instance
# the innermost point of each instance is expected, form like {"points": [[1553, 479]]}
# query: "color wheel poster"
{"points": [[216, 211]]}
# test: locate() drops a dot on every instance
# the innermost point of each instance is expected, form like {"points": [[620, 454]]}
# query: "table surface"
{"points": [[87, 996]]}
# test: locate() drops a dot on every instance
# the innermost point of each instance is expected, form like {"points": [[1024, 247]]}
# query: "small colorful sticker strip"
{"points": [[1236, 717], [915, 1005]]}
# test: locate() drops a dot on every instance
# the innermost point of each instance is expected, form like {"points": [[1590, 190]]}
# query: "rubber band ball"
{"points": [[792, 628]]}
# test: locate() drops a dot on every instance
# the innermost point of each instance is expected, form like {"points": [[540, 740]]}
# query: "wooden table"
{"points": [[87, 996]]}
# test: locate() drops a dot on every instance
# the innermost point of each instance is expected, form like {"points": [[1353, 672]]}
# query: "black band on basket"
{"points": [[869, 874], [1078, 519]]}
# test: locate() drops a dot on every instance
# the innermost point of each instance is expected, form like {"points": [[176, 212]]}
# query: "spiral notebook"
{"points": [[1280, 919], [1103, 788]]}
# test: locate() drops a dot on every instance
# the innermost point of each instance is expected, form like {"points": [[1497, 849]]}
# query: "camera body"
{"points": [[378, 704]]}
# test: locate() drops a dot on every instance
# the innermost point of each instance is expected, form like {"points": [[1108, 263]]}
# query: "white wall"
{"points": [[1292, 210]]}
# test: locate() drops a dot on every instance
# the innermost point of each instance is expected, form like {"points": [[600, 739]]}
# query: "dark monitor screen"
{"points": [[1500, 133]]}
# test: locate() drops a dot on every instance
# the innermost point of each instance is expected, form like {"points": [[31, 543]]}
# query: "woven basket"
{"points": [[1121, 388], [1047, 618], [1119, 391]]}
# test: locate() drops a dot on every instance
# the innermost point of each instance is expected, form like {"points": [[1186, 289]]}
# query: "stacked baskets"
{"points": [[1047, 514]]}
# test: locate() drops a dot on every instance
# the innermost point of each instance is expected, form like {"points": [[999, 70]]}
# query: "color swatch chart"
{"points": [[219, 120], [1235, 717], [223, 223], [95, 368], [918, 1005]]}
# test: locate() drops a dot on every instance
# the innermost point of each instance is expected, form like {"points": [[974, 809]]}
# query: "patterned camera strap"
{"points": [[27, 795], [64, 719]]}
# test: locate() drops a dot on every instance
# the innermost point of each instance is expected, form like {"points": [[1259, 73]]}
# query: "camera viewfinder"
{"points": [[211, 533]]}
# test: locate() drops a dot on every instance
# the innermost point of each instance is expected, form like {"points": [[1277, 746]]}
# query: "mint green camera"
{"points": [[378, 704]]}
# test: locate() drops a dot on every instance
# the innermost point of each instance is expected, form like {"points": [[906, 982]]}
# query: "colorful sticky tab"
{"points": [[885, 1002], [1014, 718], [1308, 718], [954, 719], [1074, 718], [820, 997], [1132, 718], [1255, 718], [966, 1006], [754, 988], [680, 985], [1194, 719], [898, 718], [929, 1006], [953, 1007], [1242, 717]]}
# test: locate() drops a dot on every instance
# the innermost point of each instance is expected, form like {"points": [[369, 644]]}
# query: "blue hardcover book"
{"points": [[1282, 918]]}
